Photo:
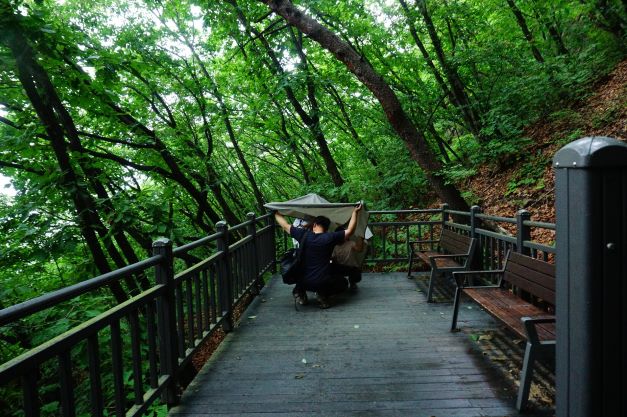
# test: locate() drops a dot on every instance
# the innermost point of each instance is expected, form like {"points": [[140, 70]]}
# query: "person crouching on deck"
{"points": [[319, 276]]}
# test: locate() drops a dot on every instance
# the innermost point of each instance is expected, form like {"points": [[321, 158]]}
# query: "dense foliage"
{"points": [[126, 120]]}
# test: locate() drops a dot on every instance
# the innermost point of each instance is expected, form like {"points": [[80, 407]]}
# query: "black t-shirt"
{"points": [[318, 250]]}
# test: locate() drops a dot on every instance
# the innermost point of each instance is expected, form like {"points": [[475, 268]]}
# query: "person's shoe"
{"points": [[353, 286], [301, 298], [323, 302]]}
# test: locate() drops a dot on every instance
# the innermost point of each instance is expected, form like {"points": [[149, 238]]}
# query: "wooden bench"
{"points": [[454, 253], [527, 320]]}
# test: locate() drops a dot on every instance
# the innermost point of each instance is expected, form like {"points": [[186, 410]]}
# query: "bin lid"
{"points": [[592, 151]]}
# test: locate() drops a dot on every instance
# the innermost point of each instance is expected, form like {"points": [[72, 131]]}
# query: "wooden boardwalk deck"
{"points": [[382, 351]]}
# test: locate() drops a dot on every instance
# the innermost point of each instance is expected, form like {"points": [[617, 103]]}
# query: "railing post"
{"points": [[445, 216], [474, 210], [252, 232], [523, 232], [226, 284], [591, 302], [477, 262], [166, 319]]}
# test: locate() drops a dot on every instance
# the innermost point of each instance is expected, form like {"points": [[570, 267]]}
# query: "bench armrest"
{"points": [[449, 255], [530, 324], [422, 243], [461, 277]]}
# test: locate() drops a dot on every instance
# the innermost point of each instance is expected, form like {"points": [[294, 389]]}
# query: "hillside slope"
{"points": [[502, 191]]}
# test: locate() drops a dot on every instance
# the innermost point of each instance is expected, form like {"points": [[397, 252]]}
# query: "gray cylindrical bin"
{"points": [[591, 268]]}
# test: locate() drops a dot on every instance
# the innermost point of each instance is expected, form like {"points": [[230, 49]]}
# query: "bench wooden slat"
{"points": [[509, 308], [532, 263], [531, 287], [531, 275], [534, 277]]}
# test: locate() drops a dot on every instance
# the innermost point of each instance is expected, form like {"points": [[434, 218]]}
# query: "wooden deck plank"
{"points": [[382, 351]]}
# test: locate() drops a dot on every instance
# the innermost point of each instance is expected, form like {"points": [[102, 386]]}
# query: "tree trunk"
{"points": [[522, 23], [312, 121], [351, 128], [413, 139], [40, 91], [229, 127], [615, 22], [458, 89]]}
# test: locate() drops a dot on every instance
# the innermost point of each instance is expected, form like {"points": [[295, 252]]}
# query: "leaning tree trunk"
{"points": [[413, 139], [40, 91], [458, 89], [311, 121], [522, 23]]}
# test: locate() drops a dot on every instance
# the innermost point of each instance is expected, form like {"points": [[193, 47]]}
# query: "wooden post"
{"points": [[166, 319], [445, 216], [591, 277], [523, 233], [477, 262]]}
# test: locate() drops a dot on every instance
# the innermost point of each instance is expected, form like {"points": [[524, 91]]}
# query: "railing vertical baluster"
{"points": [[407, 239], [95, 381], [239, 262], [225, 282], [151, 334], [213, 295], [198, 295], [66, 384], [136, 357], [118, 371], [395, 241], [30, 395], [523, 232], [180, 318], [205, 299], [189, 292], [166, 319], [385, 238], [252, 231]]}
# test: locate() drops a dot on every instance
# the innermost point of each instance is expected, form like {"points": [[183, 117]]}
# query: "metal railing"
{"points": [[494, 245], [142, 346], [393, 229]]}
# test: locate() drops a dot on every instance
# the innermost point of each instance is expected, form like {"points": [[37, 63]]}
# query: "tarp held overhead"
{"points": [[312, 205]]}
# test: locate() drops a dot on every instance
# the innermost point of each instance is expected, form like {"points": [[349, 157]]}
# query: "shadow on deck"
{"points": [[382, 351]]}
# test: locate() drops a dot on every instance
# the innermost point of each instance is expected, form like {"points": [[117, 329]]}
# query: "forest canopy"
{"points": [[122, 121]]}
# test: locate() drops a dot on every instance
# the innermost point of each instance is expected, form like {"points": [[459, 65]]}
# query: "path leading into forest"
{"points": [[382, 351]]}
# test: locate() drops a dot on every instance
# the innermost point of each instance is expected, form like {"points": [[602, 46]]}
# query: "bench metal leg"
{"points": [[431, 284], [532, 352], [456, 302]]}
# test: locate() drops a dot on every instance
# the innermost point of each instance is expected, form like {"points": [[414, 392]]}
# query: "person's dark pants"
{"points": [[331, 285], [352, 272]]}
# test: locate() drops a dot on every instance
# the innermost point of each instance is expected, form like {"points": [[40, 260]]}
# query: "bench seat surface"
{"points": [[509, 308]]}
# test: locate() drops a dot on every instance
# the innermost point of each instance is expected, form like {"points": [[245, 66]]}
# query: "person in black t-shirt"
{"points": [[318, 276]]}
